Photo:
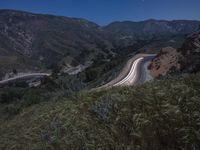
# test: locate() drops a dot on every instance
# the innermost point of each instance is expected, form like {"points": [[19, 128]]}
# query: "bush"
{"points": [[11, 109], [157, 115], [13, 100], [34, 96], [10, 96], [105, 105], [91, 74]]}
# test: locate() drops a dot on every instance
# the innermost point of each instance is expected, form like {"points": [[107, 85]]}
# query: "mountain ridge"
{"points": [[32, 41], [79, 18]]}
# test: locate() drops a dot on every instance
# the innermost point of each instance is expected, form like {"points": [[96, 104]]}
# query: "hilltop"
{"points": [[156, 115]]}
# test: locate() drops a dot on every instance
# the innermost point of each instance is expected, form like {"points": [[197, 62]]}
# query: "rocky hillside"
{"points": [[165, 62], [185, 59], [191, 53], [47, 39]]}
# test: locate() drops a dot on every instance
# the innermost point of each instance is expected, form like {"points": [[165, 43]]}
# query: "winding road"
{"points": [[132, 75], [133, 72], [23, 77]]}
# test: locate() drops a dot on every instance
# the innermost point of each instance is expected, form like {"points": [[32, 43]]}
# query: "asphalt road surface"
{"points": [[134, 72], [23, 77]]}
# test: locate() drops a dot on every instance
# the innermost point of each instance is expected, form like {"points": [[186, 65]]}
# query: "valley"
{"points": [[36, 43], [69, 83], [131, 73]]}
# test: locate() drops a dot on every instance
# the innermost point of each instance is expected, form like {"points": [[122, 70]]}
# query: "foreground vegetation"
{"points": [[157, 115]]}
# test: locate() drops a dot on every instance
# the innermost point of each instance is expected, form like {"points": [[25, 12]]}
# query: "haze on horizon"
{"points": [[103, 11]]}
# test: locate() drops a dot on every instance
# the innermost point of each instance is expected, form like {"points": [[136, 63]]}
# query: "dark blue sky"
{"points": [[106, 11]]}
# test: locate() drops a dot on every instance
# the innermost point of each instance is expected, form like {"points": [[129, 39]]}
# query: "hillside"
{"points": [[151, 29], [66, 110], [191, 53], [36, 42], [183, 60], [165, 115]]}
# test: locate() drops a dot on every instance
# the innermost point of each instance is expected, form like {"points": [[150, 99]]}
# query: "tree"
{"points": [[15, 71]]}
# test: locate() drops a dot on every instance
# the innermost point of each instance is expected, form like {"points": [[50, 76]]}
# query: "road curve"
{"points": [[131, 73], [29, 75]]}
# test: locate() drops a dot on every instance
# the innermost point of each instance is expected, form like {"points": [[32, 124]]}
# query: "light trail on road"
{"points": [[131, 73], [131, 77], [23, 76]]}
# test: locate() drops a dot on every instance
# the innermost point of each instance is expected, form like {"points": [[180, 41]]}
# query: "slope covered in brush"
{"points": [[157, 115]]}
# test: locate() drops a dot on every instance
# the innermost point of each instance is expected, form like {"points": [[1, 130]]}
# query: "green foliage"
{"points": [[49, 83], [13, 100], [10, 95], [157, 115], [103, 71], [33, 96], [92, 74]]}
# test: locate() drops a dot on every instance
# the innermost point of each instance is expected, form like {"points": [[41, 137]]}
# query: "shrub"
{"points": [[10, 96]]}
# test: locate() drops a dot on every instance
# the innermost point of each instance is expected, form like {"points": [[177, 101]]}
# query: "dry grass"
{"points": [[157, 115]]}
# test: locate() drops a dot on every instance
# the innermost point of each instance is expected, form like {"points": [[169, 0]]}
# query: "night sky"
{"points": [[106, 11]]}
